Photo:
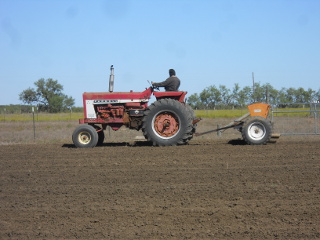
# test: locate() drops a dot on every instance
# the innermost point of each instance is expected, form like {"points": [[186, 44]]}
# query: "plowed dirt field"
{"points": [[209, 189]]}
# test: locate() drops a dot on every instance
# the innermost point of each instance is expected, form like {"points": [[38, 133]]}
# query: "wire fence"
{"points": [[296, 119], [287, 118]]}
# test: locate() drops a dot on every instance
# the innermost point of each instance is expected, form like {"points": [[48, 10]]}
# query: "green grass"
{"points": [[240, 112], [16, 117], [75, 116], [235, 113], [292, 112]]}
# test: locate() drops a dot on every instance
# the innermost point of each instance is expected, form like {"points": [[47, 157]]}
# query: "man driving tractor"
{"points": [[172, 83]]}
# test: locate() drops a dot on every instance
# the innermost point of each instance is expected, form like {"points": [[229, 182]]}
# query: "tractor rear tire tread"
{"points": [[172, 106], [194, 126]]}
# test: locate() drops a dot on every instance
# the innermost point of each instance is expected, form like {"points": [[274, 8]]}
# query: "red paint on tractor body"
{"points": [[121, 108]]}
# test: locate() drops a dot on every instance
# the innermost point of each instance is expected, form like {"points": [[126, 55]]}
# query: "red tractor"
{"points": [[168, 121]]}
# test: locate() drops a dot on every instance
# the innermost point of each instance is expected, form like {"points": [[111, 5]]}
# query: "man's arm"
{"points": [[161, 84]]}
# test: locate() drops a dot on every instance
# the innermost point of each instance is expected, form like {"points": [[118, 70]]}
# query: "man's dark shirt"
{"points": [[170, 84]]}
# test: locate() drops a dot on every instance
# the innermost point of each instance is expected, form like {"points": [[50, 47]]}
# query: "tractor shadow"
{"points": [[234, 142], [117, 144], [127, 144]]}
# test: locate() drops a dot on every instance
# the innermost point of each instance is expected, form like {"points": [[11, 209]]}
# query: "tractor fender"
{"points": [[178, 95]]}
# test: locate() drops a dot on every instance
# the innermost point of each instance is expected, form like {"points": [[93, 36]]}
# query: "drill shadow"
{"points": [[236, 142]]}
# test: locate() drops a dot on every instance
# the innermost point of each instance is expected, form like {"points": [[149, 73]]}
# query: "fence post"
{"points": [[34, 125], [219, 132], [316, 122], [315, 118]]}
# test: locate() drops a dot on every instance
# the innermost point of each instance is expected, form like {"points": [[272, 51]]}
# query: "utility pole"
{"points": [[253, 87]]}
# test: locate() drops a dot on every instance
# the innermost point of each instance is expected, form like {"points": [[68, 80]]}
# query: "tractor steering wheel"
{"points": [[153, 87], [156, 88]]}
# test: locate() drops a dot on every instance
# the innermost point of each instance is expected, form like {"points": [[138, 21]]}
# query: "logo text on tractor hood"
{"points": [[111, 101], [106, 101]]}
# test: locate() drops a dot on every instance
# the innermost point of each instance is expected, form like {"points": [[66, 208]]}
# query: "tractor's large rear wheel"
{"points": [[85, 136], [167, 122], [256, 131]]}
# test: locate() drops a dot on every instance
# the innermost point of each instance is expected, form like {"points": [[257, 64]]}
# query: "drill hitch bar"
{"points": [[230, 125]]}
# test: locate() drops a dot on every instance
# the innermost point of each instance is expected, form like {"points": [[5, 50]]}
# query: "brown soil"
{"points": [[209, 189]]}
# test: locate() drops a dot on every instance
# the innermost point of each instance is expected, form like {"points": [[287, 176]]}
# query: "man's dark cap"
{"points": [[172, 72]]}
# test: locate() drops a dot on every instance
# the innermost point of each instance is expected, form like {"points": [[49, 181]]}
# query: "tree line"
{"points": [[47, 96], [221, 97]]}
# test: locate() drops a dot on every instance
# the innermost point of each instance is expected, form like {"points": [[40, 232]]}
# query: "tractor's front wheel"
{"points": [[257, 131], [85, 136], [167, 122]]}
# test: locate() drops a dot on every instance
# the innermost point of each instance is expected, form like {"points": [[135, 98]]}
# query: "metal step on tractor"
{"points": [[168, 121]]}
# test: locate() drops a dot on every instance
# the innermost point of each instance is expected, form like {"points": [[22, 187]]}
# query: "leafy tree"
{"points": [[235, 95], [282, 96], [317, 96], [47, 95], [259, 94], [210, 97], [225, 95], [244, 97], [290, 95], [194, 101], [272, 94], [308, 95]]}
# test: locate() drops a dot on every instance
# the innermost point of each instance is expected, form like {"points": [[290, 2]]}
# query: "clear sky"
{"points": [[207, 42]]}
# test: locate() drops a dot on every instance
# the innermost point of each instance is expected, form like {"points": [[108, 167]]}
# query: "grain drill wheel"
{"points": [[256, 131], [85, 136], [167, 122]]}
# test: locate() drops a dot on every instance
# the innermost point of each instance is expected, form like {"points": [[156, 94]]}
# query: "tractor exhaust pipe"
{"points": [[111, 79]]}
